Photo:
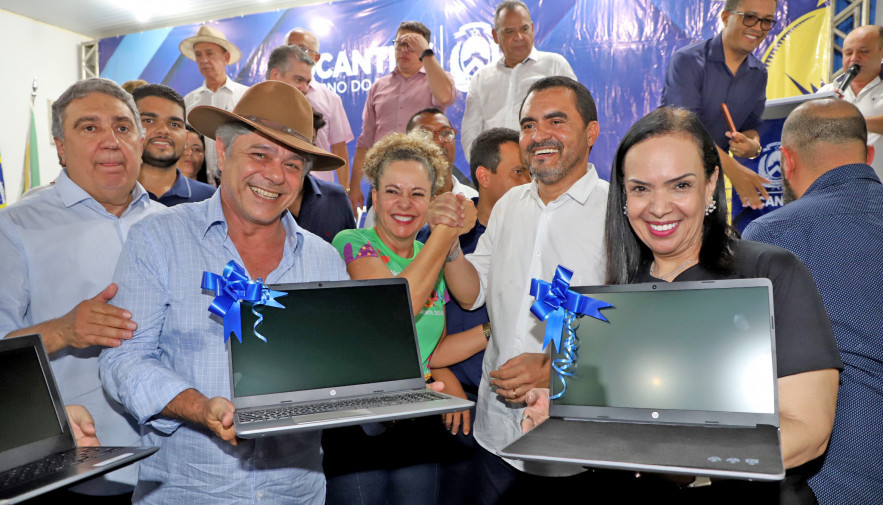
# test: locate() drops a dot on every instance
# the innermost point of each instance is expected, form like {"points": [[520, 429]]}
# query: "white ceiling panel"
{"points": [[106, 18]]}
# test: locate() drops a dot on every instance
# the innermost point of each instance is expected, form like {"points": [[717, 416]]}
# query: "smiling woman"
{"points": [[405, 171], [666, 220]]}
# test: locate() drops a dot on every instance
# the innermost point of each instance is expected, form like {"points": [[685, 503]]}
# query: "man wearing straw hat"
{"points": [[172, 375], [212, 52]]}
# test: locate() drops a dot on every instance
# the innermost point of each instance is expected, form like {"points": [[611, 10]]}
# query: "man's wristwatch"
{"points": [[427, 52], [759, 150]]}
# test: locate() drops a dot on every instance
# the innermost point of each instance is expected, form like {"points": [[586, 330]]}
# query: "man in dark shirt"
{"points": [[834, 223], [165, 135], [702, 76], [322, 207]]}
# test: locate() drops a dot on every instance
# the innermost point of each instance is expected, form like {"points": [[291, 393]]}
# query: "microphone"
{"points": [[850, 75]]}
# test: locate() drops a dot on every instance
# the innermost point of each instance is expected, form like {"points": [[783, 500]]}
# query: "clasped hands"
{"points": [[454, 211]]}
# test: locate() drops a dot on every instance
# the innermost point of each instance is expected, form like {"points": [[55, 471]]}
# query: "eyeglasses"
{"points": [[446, 135], [401, 45], [749, 20], [309, 51]]}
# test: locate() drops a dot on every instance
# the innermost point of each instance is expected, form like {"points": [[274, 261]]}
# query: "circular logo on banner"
{"points": [[769, 165], [474, 49]]}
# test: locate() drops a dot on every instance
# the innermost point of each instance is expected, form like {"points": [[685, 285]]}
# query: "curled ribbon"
{"points": [[558, 305], [231, 289]]}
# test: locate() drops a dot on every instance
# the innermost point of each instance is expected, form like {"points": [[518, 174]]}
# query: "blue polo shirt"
{"points": [[185, 190], [698, 79], [325, 209], [468, 371]]}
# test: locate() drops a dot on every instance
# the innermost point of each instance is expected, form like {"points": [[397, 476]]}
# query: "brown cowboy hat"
{"points": [[274, 109], [208, 34]]}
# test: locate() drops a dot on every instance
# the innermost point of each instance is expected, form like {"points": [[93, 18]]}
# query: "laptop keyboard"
{"points": [[338, 405], [51, 464]]}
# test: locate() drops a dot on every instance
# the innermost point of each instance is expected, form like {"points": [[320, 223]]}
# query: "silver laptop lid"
{"points": [[683, 353], [34, 421], [332, 340]]}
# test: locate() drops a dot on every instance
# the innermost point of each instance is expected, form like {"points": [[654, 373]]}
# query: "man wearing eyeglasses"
{"points": [[418, 81], [702, 76], [337, 131], [497, 89], [433, 123]]}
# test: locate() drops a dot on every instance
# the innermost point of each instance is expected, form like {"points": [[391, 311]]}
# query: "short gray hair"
{"points": [[509, 5], [83, 88], [229, 131], [824, 120], [281, 57]]}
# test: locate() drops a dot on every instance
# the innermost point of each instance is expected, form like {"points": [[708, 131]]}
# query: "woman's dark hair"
{"points": [[202, 173], [626, 254]]}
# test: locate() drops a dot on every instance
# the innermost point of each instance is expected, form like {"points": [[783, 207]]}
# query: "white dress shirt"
{"points": [[496, 92], [336, 130], [527, 239], [870, 102], [459, 188], [226, 97]]}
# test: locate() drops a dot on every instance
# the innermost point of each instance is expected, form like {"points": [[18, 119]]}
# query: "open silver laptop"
{"points": [[38, 453], [339, 353], [682, 379]]}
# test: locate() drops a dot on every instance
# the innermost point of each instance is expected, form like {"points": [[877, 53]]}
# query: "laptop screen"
{"points": [[329, 334], [675, 348], [28, 411]]}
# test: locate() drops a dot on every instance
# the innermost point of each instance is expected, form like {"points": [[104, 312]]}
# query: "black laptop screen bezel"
{"points": [[416, 382], [61, 441]]}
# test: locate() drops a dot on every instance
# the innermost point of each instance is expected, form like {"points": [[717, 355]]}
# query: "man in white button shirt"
{"points": [[558, 219], [211, 50], [497, 90], [864, 47]]}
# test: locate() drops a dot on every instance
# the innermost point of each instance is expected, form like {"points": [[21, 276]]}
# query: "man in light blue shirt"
{"points": [[172, 375], [58, 248]]}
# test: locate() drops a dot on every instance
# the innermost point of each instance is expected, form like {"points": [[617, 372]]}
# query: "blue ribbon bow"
{"points": [[557, 304], [231, 289]]}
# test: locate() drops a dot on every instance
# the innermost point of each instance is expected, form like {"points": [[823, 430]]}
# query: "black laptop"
{"points": [[38, 453], [681, 379]]}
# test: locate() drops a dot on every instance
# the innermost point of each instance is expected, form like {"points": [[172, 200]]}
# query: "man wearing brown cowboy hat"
{"points": [[172, 375], [212, 52]]}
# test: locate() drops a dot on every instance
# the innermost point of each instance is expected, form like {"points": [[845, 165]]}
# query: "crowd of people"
{"points": [[105, 263]]}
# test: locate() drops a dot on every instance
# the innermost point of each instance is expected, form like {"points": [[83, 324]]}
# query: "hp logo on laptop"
{"points": [[333, 392]]}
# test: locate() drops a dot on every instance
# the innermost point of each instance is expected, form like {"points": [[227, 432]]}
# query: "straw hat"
{"points": [[208, 34], [275, 109]]}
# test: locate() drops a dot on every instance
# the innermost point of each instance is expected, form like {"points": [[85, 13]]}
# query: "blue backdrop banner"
{"points": [[618, 48]]}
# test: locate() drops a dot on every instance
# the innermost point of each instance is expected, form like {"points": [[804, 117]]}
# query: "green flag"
{"points": [[31, 170]]}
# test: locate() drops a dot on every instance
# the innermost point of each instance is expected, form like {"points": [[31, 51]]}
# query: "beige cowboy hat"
{"points": [[208, 34], [274, 109]]}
